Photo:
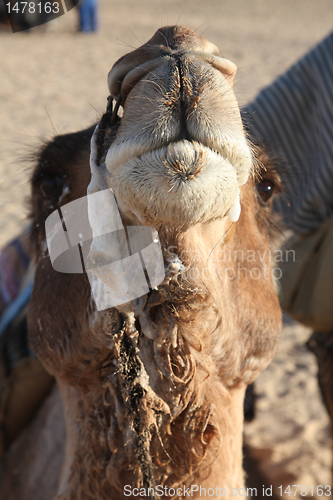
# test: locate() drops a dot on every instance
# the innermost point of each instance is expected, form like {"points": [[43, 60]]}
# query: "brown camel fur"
{"points": [[153, 395]]}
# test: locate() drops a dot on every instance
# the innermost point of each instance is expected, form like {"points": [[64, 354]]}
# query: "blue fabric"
{"points": [[15, 307], [88, 16], [21, 252]]}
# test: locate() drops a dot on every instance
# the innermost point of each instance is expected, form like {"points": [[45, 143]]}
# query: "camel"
{"points": [[153, 388]]}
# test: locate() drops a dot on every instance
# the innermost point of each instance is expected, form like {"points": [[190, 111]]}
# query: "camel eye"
{"points": [[265, 188], [51, 186]]}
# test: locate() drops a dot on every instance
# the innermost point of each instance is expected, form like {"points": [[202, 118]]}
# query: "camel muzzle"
{"points": [[179, 154]]}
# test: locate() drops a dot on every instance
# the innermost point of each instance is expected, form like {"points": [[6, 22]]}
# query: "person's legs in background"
{"points": [[88, 16]]}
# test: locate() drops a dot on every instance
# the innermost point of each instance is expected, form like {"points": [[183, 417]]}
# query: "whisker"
{"points": [[204, 31], [126, 44], [49, 117], [165, 38], [134, 35], [212, 250], [182, 12]]}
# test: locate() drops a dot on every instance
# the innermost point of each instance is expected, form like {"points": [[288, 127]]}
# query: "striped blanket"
{"points": [[294, 115]]}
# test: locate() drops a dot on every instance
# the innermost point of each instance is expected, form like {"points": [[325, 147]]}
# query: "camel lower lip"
{"points": [[184, 183], [123, 152]]}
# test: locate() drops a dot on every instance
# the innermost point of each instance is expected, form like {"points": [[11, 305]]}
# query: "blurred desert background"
{"points": [[53, 81]]}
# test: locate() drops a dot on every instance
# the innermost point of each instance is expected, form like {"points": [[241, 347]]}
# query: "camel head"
{"points": [[153, 387]]}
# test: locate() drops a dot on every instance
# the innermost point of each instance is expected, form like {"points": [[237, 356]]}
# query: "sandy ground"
{"points": [[55, 82]]}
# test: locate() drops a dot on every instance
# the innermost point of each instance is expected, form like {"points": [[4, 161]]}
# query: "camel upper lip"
{"points": [[183, 137]]}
